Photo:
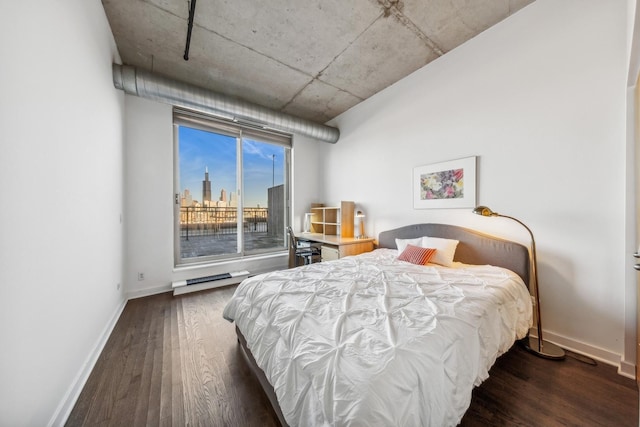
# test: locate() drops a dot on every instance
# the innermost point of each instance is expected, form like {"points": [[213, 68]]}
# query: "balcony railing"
{"points": [[213, 220]]}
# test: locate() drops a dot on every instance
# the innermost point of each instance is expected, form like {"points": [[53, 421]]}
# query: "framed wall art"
{"points": [[449, 184]]}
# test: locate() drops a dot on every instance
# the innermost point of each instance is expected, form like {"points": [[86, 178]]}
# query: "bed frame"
{"points": [[474, 248]]}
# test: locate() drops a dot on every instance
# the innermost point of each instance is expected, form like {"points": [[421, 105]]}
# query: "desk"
{"points": [[334, 247]]}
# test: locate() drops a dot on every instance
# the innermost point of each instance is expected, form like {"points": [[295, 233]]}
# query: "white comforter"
{"points": [[373, 341]]}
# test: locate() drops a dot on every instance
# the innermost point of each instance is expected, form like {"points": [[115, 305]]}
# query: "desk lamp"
{"points": [[359, 225], [537, 346]]}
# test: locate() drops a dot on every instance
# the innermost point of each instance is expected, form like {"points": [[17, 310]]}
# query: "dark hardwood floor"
{"points": [[175, 361]]}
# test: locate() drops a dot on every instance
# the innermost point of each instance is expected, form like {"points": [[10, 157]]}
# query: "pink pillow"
{"points": [[417, 255]]}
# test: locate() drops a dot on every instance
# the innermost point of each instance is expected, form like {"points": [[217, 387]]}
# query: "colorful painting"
{"points": [[445, 185], [442, 185]]}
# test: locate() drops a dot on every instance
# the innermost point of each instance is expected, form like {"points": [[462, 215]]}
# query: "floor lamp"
{"points": [[537, 346]]}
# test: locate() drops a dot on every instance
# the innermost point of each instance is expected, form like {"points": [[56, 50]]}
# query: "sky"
{"points": [[199, 149]]}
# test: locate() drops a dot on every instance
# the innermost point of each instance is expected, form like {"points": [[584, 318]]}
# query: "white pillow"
{"points": [[445, 249], [402, 243]]}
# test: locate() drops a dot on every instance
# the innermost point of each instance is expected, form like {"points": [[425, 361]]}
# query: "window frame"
{"points": [[241, 131]]}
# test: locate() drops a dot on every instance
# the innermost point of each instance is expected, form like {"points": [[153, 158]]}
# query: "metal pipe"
{"points": [[192, 12], [144, 84]]}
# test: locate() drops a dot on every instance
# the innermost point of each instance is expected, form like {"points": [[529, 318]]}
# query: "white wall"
{"points": [[148, 194], [541, 100], [149, 201], [61, 184], [633, 180]]}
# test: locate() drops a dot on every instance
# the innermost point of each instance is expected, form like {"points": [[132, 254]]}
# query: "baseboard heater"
{"points": [[201, 283]]}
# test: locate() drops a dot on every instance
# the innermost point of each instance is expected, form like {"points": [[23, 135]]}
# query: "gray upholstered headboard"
{"points": [[474, 247]]}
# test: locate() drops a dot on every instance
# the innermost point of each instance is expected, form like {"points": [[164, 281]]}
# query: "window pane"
{"points": [[264, 213], [208, 194], [232, 189]]}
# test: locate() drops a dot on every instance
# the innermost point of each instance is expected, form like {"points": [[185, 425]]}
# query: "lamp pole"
{"points": [[273, 170], [536, 346]]}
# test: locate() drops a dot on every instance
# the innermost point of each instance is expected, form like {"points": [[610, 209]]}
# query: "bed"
{"points": [[375, 340]]}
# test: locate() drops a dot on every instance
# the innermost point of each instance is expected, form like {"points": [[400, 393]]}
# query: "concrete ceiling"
{"points": [[312, 59]]}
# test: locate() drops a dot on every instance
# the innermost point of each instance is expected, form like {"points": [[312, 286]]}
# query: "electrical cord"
{"points": [[581, 358]]}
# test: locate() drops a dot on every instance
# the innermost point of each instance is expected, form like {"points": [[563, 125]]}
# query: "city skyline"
{"points": [[263, 164]]}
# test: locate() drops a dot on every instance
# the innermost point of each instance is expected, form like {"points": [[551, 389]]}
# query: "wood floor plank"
{"points": [[174, 361], [177, 390], [196, 370], [151, 373], [208, 338], [99, 394], [130, 388], [166, 379]]}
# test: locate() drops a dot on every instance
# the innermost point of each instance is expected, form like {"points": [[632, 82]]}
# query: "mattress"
{"points": [[371, 340]]}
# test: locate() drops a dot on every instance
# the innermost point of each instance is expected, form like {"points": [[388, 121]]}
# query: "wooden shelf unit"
{"points": [[333, 220]]}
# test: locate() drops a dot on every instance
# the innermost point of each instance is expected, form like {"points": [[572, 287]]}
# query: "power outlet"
{"points": [[140, 276]]}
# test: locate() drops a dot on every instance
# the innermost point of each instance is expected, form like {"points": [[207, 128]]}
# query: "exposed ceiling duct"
{"points": [[313, 59], [162, 89]]}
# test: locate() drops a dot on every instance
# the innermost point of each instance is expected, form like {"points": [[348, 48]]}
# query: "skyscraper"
{"points": [[187, 200], [206, 186]]}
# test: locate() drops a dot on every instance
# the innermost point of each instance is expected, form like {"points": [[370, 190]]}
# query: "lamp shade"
{"points": [[484, 211]]}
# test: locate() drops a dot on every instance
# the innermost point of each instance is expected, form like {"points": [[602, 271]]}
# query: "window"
{"points": [[231, 189]]}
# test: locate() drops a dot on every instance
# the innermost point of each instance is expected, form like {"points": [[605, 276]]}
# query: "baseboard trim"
{"points": [[65, 407], [625, 369], [147, 292]]}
